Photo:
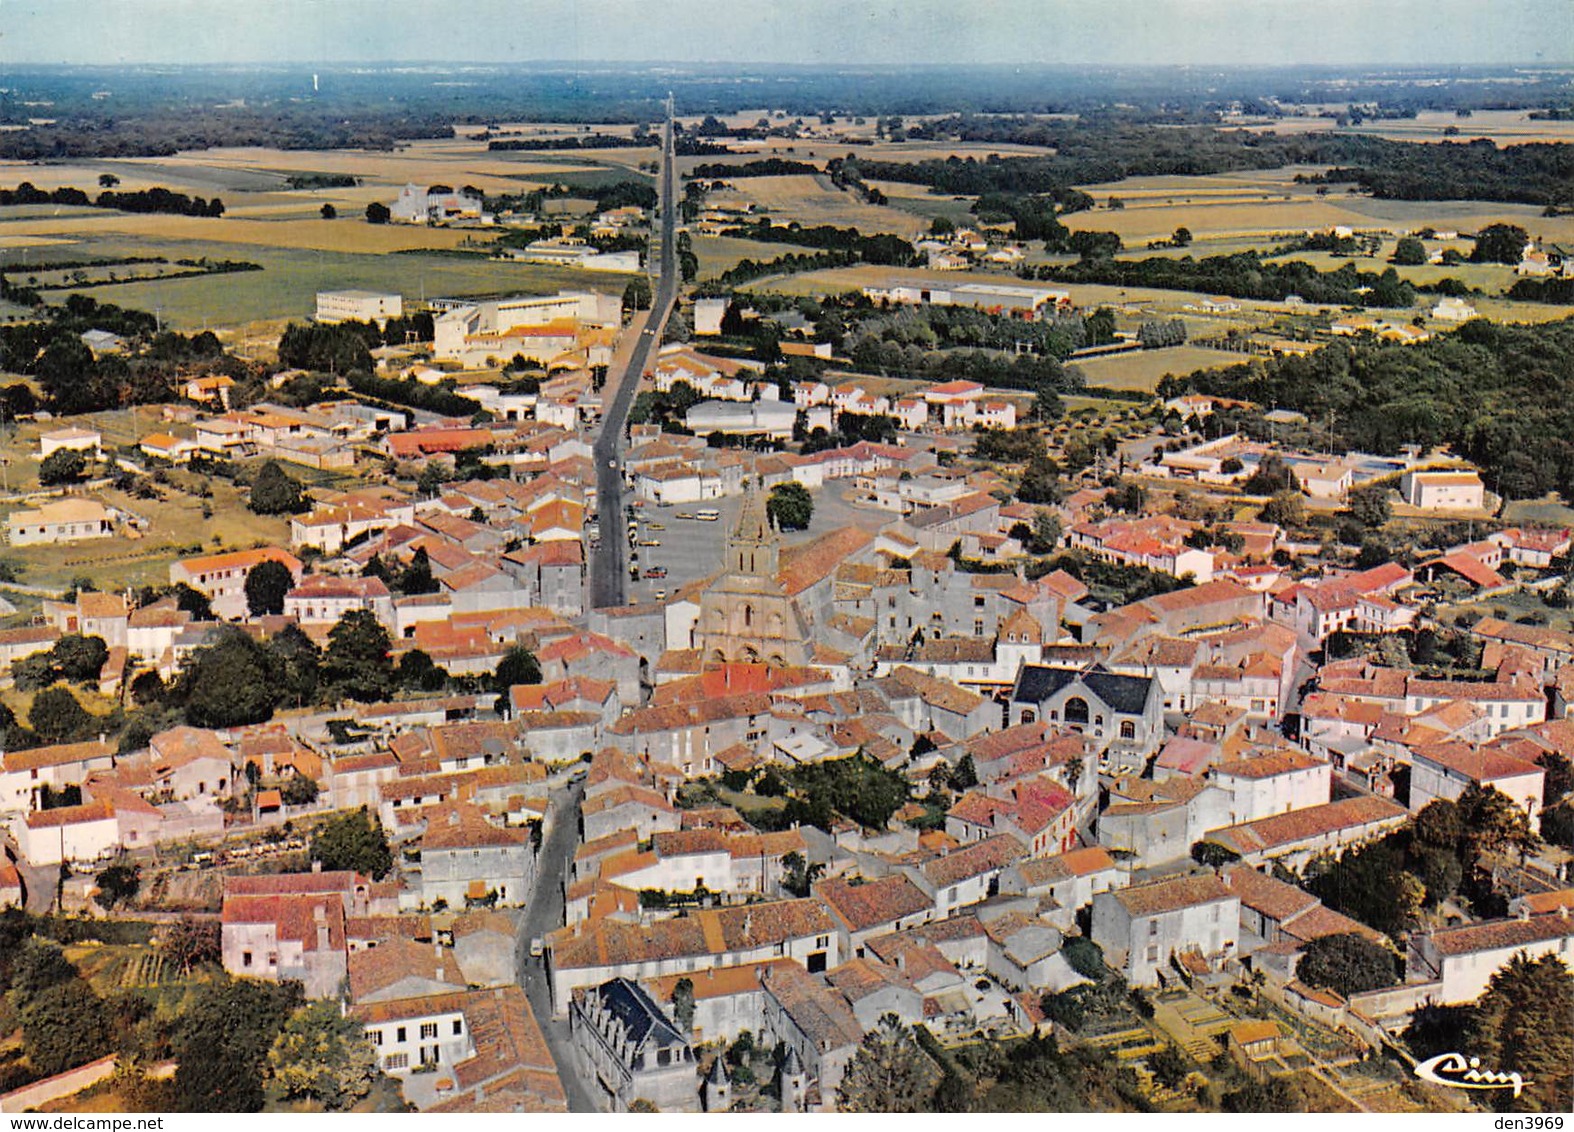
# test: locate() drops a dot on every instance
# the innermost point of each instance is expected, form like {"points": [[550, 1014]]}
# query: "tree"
{"points": [[1169, 1068], [353, 841], [1040, 481], [266, 584], [329, 212], [63, 1026], [1212, 854], [57, 717], [518, 666], [1493, 824], [965, 776], [1369, 505], [117, 884], [1500, 243], [378, 213], [1181, 238], [1284, 509], [416, 578], [230, 683], [1409, 252], [1438, 825], [1347, 964], [357, 663], [79, 658], [1046, 531], [223, 1040], [798, 875], [790, 506], [274, 492], [889, 1073], [1523, 1024], [1272, 476], [323, 1056], [637, 295], [419, 673], [63, 465], [190, 943], [683, 1003], [299, 790], [107, 180], [297, 664]]}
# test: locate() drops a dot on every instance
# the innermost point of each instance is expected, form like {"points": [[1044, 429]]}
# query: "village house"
{"points": [[1141, 928], [592, 953], [1462, 960], [631, 1049], [222, 577], [73, 519]]}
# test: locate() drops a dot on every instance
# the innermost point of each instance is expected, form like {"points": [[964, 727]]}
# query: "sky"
{"points": [[1097, 32]]}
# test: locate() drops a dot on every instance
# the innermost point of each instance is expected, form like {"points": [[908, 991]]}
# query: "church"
{"points": [[746, 614]]}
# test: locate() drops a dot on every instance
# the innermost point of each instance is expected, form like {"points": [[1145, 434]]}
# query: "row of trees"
{"points": [[1244, 275], [144, 200], [1502, 396]]}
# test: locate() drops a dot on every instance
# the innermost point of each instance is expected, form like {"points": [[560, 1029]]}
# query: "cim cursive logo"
{"points": [[1456, 1071]]}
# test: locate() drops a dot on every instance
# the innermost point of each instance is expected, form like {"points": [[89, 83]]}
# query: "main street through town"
{"points": [[609, 562], [542, 915]]}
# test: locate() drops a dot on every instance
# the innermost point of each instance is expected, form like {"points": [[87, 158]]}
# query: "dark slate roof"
{"points": [[642, 1020], [1125, 694]]}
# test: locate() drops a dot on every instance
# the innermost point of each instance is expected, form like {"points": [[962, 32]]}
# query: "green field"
{"points": [[291, 277], [1145, 368], [722, 253]]}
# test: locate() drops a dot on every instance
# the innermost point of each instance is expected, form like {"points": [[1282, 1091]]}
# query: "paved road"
{"points": [[609, 564], [545, 913]]}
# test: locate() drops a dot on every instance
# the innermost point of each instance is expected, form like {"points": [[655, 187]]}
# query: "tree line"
{"points": [[156, 199], [1243, 275], [1501, 396]]}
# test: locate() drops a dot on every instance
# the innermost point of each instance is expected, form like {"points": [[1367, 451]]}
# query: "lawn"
{"points": [[1548, 511], [722, 253], [814, 201], [1144, 369], [286, 287]]}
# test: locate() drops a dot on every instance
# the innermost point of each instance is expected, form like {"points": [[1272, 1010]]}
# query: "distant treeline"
{"points": [[1534, 173], [144, 200], [1094, 152], [161, 132], [1245, 275], [770, 167], [579, 141], [881, 249], [1501, 396], [321, 181]]}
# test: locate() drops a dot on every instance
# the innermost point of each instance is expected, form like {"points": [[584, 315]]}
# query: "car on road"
{"points": [[656, 572], [683, 515], [537, 947], [650, 542], [661, 595], [656, 526]]}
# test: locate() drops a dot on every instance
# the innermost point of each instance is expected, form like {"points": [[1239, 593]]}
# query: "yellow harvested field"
{"points": [[350, 234], [1262, 203], [1505, 127], [32, 241], [722, 253], [811, 201], [1144, 369]]}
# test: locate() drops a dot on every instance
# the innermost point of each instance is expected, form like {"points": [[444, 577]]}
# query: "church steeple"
{"points": [[753, 547]]}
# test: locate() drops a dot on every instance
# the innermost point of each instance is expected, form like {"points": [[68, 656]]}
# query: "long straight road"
{"points": [[609, 565], [542, 915]]}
